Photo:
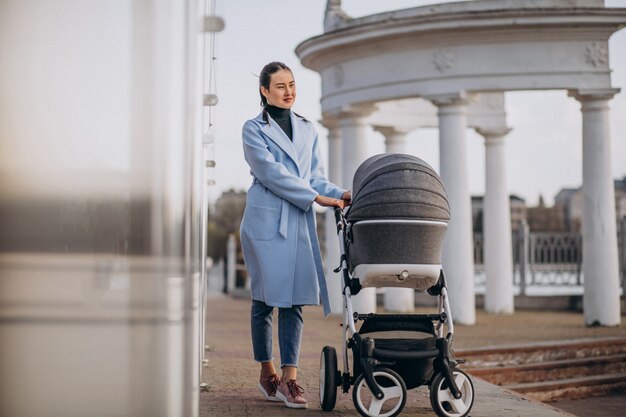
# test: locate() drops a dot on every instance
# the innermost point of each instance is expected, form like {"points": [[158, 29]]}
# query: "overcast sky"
{"points": [[544, 150]]}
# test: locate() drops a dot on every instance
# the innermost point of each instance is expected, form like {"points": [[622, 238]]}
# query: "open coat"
{"points": [[278, 233]]}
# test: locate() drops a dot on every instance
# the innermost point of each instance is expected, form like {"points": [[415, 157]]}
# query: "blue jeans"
{"points": [[289, 333]]}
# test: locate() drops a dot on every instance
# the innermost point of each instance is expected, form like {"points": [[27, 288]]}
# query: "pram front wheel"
{"points": [[328, 378], [390, 405], [442, 400]]}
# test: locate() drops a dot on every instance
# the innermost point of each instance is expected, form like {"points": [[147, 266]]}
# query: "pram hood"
{"points": [[397, 186]]}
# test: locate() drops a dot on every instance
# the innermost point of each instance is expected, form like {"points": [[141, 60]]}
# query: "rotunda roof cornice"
{"points": [[476, 46], [464, 22]]}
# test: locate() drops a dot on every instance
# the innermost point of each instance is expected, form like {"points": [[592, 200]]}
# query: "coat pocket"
{"points": [[263, 222]]}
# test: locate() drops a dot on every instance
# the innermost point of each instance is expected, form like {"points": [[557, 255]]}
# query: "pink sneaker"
{"points": [[268, 387], [291, 394]]}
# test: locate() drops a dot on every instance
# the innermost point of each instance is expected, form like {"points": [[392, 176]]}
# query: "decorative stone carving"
{"points": [[587, 95], [493, 135], [452, 99], [597, 54], [334, 17], [443, 60]]}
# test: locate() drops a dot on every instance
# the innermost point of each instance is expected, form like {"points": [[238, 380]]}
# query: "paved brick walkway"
{"points": [[232, 374]]}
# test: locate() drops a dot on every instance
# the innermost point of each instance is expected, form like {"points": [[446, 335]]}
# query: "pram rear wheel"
{"points": [[329, 378], [390, 405], [442, 400]]}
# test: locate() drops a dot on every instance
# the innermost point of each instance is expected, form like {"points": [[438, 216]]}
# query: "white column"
{"points": [[355, 150], [395, 138], [354, 144], [396, 299], [497, 226], [601, 299], [333, 280], [458, 261]]}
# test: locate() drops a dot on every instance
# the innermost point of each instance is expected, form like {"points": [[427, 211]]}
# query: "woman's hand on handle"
{"points": [[347, 197], [324, 201]]}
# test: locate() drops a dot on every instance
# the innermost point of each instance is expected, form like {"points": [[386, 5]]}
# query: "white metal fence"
{"points": [[548, 259]]}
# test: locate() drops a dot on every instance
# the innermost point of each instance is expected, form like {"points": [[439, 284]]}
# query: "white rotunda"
{"points": [[448, 66]]}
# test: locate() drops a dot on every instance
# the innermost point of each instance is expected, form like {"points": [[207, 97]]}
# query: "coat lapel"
{"points": [[276, 134], [300, 130]]}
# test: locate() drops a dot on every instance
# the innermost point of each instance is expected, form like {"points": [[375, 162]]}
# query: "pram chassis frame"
{"points": [[444, 359]]}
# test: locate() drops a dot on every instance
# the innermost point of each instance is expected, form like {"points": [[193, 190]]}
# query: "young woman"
{"points": [[278, 234]]}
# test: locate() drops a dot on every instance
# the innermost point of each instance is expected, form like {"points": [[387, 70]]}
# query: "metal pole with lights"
{"points": [[211, 25]]}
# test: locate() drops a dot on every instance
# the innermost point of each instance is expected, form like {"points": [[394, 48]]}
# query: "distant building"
{"points": [[518, 212], [545, 219], [570, 202]]}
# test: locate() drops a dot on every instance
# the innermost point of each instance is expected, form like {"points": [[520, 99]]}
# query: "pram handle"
{"points": [[339, 219], [353, 284]]}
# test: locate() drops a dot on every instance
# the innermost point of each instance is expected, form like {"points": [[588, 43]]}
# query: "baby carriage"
{"points": [[392, 236]]}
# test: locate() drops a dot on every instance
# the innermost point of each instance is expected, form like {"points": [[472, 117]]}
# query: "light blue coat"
{"points": [[278, 233]]}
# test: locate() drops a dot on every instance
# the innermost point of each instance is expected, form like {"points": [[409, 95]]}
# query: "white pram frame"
{"points": [[380, 391]]}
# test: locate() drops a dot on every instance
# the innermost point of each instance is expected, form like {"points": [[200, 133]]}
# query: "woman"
{"points": [[278, 234]]}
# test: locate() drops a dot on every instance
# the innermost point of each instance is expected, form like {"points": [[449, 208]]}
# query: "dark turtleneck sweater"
{"points": [[282, 117]]}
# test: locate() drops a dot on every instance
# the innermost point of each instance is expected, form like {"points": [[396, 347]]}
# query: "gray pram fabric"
{"points": [[397, 186], [399, 213]]}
